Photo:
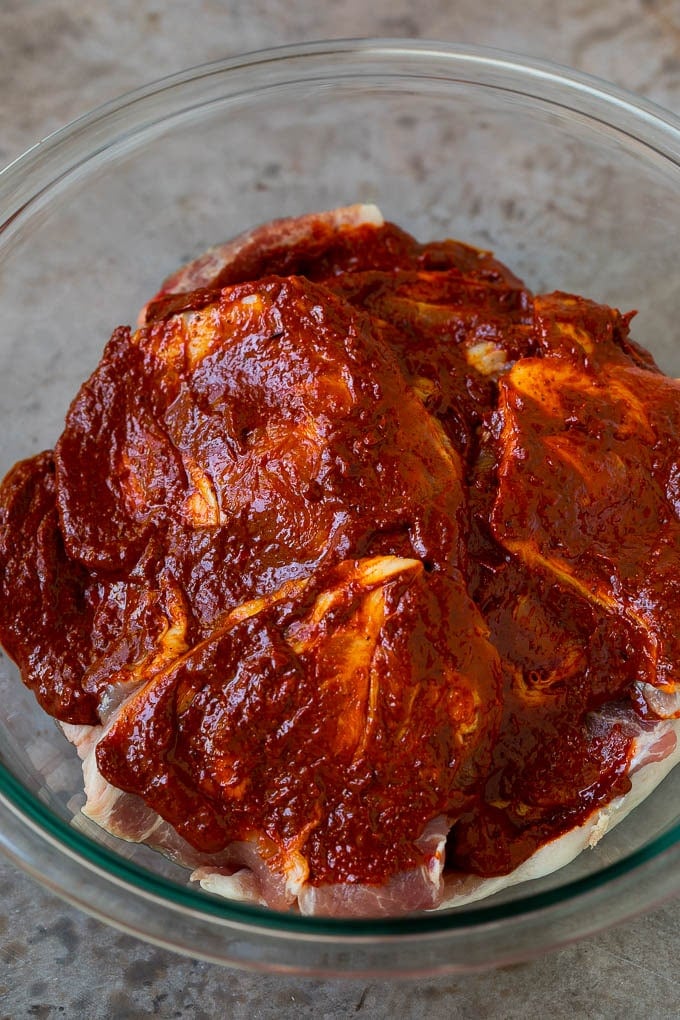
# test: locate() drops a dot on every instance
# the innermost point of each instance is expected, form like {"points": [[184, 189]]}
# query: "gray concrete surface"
{"points": [[58, 59]]}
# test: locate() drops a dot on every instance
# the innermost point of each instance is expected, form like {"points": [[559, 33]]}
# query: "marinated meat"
{"points": [[352, 576]]}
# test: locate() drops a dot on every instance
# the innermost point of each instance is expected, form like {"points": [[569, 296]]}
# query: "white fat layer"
{"points": [[121, 814], [242, 885], [368, 214], [662, 703]]}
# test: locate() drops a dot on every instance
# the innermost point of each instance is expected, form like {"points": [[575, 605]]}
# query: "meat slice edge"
{"points": [[241, 875], [244, 256]]}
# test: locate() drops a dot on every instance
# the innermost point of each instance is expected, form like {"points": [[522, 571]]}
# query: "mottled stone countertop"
{"points": [[58, 59]]}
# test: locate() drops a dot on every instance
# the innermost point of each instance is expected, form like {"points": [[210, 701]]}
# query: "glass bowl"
{"points": [[573, 183]]}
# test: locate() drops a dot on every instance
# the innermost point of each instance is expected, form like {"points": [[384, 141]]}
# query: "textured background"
{"points": [[57, 60]]}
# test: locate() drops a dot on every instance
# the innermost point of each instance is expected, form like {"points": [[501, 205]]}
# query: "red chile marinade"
{"points": [[350, 528]]}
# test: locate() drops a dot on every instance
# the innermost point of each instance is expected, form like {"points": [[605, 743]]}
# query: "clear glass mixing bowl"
{"points": [[572, 182]]}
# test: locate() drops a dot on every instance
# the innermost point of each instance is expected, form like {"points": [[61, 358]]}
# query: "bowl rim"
{"points": [[30, 178], [656, 126]]}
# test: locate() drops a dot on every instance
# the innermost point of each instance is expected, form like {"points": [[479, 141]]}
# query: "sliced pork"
{"points": [[335, 580]]}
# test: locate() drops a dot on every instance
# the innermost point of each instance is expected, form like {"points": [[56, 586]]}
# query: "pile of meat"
{"points": [[354, 575]]}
